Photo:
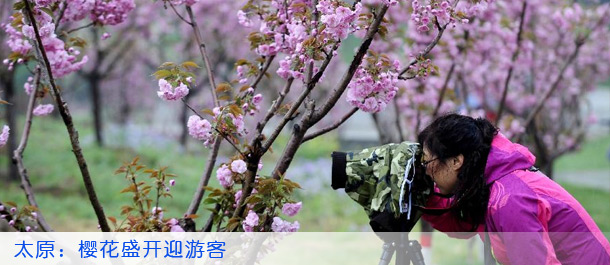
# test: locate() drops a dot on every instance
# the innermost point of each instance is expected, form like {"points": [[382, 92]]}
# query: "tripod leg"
{"points": [[386, 255], [414, 251], [402, 255]]}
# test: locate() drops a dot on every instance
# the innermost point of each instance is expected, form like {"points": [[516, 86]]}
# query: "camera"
{"points": [[388, 181]]}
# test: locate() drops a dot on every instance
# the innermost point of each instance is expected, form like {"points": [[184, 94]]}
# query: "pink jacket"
{"points": [[531, 219]]}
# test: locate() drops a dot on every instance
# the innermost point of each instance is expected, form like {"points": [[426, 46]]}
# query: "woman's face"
{"points": [[444, 174]]}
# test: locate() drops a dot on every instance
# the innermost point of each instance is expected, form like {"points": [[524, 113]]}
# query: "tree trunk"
{"points": [[543, 160], [183, 118], [9, 115], [96, 107], [125, 108]]}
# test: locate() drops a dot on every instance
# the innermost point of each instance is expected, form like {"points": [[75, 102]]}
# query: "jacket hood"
{"points": [[506, 157]]}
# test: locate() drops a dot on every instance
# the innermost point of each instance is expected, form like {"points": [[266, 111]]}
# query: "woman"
{"points": [[489, 184]]}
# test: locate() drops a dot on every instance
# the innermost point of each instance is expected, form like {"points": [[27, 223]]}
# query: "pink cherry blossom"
{"points": [[4, 135], [199, 128], [250, 222], [43, 109], [224, 176], [238, 166], [291, 209], [167, 92], [280, 225]]}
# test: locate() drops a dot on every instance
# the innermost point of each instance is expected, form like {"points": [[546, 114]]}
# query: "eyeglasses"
{"points": [[425, 163]]}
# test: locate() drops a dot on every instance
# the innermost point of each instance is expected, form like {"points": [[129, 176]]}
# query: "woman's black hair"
{"points": [[451, 135]]}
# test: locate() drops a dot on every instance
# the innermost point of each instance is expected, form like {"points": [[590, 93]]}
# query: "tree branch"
{"points": [[554, 86], [510, 69], [180, 16], [362, 50], [443, 90], [427, 50], [62, 107], [18, 156], [220, 134], [579, 43], [276, 105], [312, 116], [205, 179], [79, 28], [331, 127], [397, 120], [204, 54], [263, 71]]}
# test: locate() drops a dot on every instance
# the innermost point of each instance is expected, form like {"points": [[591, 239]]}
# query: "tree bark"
{"points": [[9, 115]]}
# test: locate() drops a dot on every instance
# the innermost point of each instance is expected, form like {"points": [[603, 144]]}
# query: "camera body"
{"points": [[388, 181]]}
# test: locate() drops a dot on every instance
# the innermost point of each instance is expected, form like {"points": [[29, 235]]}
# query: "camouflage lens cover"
{"points": [[375, 176]]}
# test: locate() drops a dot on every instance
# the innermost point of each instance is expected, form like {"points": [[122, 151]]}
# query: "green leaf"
{"points": [[167, 65], [48, 11], [162, 74], [19, 5], [189, 65], [210, 201]]}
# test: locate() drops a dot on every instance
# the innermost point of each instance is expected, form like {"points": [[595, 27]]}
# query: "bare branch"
{"points": [[62, 107], [331, 127], [510, 69], [18, 156]]}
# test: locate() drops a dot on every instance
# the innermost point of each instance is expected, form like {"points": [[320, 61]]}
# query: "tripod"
{"points": [[408, 251]]}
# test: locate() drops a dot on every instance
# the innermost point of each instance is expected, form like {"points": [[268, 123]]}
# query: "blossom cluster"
{"points": [[374, 85], [278, 225], [200, 129], [111, 12], [225, 172], [4, 135], [424, 14], [168, 92], [63, 61], [289, 28], [43, 109], [16, 216]]}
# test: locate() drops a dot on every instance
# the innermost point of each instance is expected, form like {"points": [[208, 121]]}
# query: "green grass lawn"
{"points": [[591, 156]]}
